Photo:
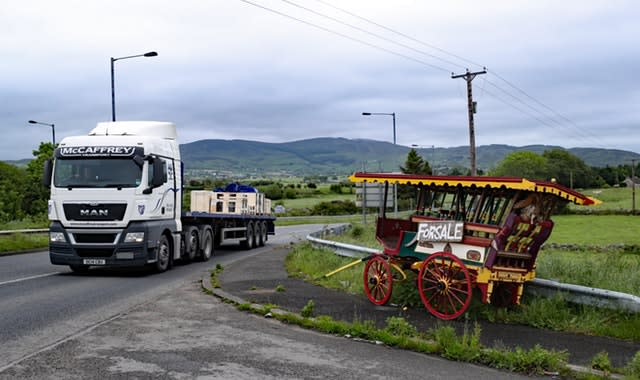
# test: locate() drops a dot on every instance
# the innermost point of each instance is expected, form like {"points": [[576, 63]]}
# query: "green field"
{"points": [[312, 200], [599, 230], [613, 199]]}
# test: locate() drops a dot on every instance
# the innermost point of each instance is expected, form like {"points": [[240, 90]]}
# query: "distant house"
{"points": [[635, 181]]}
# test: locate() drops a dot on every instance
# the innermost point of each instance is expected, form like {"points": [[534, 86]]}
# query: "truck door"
{"points": [[161, 178]]}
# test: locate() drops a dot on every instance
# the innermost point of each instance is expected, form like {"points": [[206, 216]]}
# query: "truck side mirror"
{"points": [[48, 171]]}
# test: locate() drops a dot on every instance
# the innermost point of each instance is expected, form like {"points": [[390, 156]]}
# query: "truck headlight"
{"points": [[134, 237], [57, 237]]}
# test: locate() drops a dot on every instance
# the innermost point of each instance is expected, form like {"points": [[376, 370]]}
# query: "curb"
{"points": [[230, 298], [13, 253]]}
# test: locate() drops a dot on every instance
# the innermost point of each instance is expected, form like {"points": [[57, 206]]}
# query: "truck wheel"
{"points": [[80, 269], [163, 254], [265, 236], [190, 244], [260, 234], [256, 235], [207, 245], [248, 242]]}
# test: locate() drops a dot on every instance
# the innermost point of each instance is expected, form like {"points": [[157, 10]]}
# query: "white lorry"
{"points": [[116, 201]]}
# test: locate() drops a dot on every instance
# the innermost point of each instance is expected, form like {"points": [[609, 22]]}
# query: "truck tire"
{"points": [[260, 234], [250, 237], [163, 254], [207, 245], [256, 235], [191, 240], [264, 234]]}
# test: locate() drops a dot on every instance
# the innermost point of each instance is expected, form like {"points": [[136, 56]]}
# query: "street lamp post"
{"points": [[395, 186], [113, 93], [53, 130]]}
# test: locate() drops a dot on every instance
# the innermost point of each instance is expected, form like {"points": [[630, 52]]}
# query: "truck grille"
{"points": [[95, 238], [86, 211], [94, 252]]}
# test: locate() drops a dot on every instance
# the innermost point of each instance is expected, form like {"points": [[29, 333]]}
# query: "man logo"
{"points": [[85, 212], [141, 209]]}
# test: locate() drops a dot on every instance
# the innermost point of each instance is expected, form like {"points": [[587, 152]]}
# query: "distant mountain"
{"points": [[341, 156]]}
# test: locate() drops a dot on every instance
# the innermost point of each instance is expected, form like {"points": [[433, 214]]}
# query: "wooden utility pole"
{"points": [[469, 76], [633, 186]]}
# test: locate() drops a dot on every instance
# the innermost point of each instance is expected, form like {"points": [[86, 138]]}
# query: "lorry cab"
{"points": [[116, 196]]}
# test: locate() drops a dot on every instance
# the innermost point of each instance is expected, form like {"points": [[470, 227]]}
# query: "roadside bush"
{"points": [[334, 208], [336, 188], [400, 327], [633, 367]]}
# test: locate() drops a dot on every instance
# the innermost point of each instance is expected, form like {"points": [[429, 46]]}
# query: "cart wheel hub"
{"points": [[375, 281], [443, 286]]}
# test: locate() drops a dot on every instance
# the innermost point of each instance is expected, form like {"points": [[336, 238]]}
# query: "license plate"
{"points": [[94, 262], [506, 276]]}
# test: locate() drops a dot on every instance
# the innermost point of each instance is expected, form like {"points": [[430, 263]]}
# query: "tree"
{"points": [[568, 169], [413, 165], [522, 164], [12, 181], [35, 194], [416, 164]]}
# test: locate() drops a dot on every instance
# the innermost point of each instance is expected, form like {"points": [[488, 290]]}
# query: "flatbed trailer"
{"points": [[249, 231]]}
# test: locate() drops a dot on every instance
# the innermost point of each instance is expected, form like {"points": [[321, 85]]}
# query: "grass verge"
{"points": [[22, 242], [311, 264], [443, 341]]}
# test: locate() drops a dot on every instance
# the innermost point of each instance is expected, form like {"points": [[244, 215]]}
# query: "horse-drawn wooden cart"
{"points": [[465, 233]]}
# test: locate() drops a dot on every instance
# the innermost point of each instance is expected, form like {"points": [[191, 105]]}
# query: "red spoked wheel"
{"points": [[444, 284], [378, 280]]}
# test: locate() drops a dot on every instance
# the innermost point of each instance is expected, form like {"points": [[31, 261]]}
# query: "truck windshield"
{"points": [[96, 172]]}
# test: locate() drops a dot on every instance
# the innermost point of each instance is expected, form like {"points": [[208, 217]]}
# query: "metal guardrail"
{"points": [[573, 293], [31, 231]]}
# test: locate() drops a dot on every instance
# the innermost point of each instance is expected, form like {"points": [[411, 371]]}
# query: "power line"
{"points": [[400, 34], [571, 123], [369, 33], [346, 36], [560, 123], [554, 112]]}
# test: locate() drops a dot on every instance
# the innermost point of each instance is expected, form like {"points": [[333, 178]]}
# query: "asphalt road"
{"points": [[128, 324], [40, 303]]}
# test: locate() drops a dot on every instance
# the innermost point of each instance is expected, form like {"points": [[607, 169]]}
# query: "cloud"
{"points": [[230, 70]]}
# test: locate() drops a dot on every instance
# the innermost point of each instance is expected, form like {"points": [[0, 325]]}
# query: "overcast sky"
{"points": [[559, 72]]}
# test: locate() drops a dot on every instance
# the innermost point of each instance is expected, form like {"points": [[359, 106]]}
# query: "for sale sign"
{"points": [[440, 231]]}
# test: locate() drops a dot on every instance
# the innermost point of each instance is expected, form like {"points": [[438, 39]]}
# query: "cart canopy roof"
{"points": [[514, 183]]}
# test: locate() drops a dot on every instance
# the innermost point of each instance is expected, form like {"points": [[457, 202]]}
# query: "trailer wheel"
{"points": [[444, 285], [163, 254], [207, 245], [259, 233], [250, 237], [263, 234], [255, 242], [191, 240], [378, 280]]}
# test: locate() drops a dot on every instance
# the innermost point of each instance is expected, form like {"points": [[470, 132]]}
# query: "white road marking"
{"points": [[29, 278]]}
